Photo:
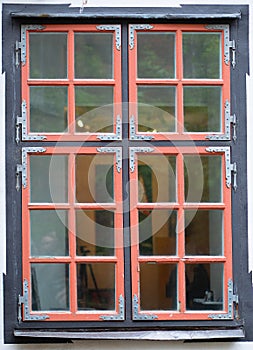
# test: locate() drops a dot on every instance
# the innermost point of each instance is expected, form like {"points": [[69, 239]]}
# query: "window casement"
{"points": [[126, 175]]}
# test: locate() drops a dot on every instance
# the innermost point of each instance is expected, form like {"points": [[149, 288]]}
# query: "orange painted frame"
{"points": [[181, 259], [179, 82], [71, 82], [118, 259]]}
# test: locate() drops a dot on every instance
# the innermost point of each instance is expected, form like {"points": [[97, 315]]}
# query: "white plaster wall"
{"points": [[123, 345]]}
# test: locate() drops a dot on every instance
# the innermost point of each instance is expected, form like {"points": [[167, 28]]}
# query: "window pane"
{"points": [[94, 178], [49, 178], [48, 109], [157, 232], [96, 286], [94, 232], [203, 178], [94, 109], [156, 178], [204, 232], [204, 286], [158, 286], [49, 232], [156, 108], [156, 55], [48, 55], [202, 109], [202, 55], [50, 287], [94, 55]]}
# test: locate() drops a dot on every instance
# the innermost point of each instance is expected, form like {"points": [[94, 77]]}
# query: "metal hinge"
{"points": [[140, 317], [118, 151], [117, 30], [228, 44], [134, 150], [231, 168], [113, 137], [134, 136], [23, 122], [120, 316], [232, 299], [134, 27], [24, 300], [22, 168], [229, 120]]}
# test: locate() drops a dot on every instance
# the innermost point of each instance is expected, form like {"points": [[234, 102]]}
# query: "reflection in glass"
{"points": [[94, 178], [203, 178], [204, 232], [48, 108], [158, 286], [202, 109], [202, 55], [49, 178], [204, 286], [156, 108], [156, 178], [49, 232], [48, 55], [157, 232], [50, 287], [156, 55], [93, 55], [96, 286], [94, 232], [94, 109]]}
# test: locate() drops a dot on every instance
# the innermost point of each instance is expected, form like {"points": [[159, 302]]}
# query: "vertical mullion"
{"points": [[179, 72], [180, 233], [72, 236], [71, 90]]}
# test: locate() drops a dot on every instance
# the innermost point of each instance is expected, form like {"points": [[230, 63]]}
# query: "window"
{"points": [[127, 176]]}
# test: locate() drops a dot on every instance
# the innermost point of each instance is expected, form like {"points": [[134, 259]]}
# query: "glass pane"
{"points": [[204, 286], [203, 232], [156, 108], [156, 55], [94, 109], [156, 178], [48, 55], [96, 286], [50, 287], [203, 178], [202, 55], [94, 232], [202, 109], [158, 286], [49, 178], [49, 232], [94, 55], [94, 178], [157, 232], [48, 109]]}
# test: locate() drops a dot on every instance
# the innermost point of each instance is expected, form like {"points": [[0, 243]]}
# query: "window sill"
{"points": [[137, 335]]}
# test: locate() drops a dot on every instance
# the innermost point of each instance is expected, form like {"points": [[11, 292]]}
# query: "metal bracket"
{"points": [[231, 300], [22, 168], [22, 44], [23, 121], [230, 168], [229, 119], [120, 316], [117, 29], [114, 137], [228, 44], [140, 317], [25, 301], [134, 27], [133, 135], [118, 151], [134, 150]]}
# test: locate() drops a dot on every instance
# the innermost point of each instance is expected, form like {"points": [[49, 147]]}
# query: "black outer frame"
{"points": [[15, 15]]}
